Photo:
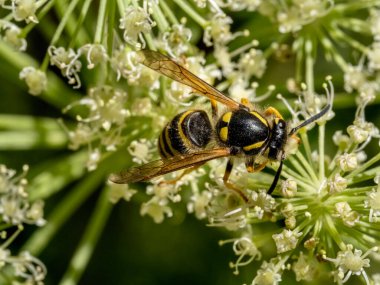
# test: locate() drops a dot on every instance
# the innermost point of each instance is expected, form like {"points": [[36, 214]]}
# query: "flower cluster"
{"points": [[16, 210], [325, 209]]}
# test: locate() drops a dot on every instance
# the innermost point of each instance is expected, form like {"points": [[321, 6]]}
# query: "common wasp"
{"points": [[191, 138]]}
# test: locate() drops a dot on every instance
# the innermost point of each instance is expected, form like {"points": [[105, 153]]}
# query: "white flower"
{"points": [[287, 240], [199, 204], [67, 61], [245, 249], [351, 261], [35, 79], [336, 184], [157, 209], [12, 35], [120, 191], [95, 54], [141, 150], [347, 161], [289, 187], [373, 202], [268, 274], [25, 10], [252, 63], [305, 268], [374, 56], [135, 22], [348, 216]]}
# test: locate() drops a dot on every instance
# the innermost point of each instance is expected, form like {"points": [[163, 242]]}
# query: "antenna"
{"points": [[311, 119]]}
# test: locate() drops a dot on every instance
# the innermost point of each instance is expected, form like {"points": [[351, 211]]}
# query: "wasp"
{"points": [[191, 139]]}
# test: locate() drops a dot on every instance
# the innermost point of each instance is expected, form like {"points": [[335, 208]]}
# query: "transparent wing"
{"points": [[173, 70], [164, 166]]}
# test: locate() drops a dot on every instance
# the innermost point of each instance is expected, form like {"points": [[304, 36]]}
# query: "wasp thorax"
{"points": [[246, 130]]}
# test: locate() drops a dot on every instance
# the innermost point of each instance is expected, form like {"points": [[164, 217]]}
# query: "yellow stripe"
{"points": [[261, 118], [162, 146], [223, 134], [227, 117], [253, 146], [184, 139], [276, 120], [169, 142]]}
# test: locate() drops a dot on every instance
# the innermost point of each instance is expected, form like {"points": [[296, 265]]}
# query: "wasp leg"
{"points": [[251, 167], [229, 185], [273, 111], [185, 172], [214, 110], [245, 102]]}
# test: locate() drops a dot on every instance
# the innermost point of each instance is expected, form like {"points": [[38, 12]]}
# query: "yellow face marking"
{"points": [[167, 138], [227, 117], [180, 130], [223, 134], [276, 120], [261, 118], [253, 146]]}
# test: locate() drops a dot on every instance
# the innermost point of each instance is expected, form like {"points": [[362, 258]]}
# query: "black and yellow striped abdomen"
{"points": [[190, 130], [247, 131]]}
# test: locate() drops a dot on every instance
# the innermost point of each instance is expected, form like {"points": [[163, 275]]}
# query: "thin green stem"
{"points": [[100, 22], [86, 246], [192, 13], [305, 166], [111, 10], [160, 19], [79, 26], [9, 240], [63, 211], [168, 12], [321, 150], [330, 226], [64, 21], [306, 145], [288, 173], [309, 69], [363, 167]]}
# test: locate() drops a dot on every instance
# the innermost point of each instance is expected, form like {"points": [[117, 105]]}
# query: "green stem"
{"points": [[100, 22], [329, 224], [79, 25], [64, 21], [63, 211], [192, 13], [306, 145], [321, 150], [160, 19], [168, 12], [364, 166], [86, 246]]}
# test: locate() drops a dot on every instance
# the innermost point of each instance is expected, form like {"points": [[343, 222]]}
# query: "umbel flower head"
{"points": [[81, 59]]}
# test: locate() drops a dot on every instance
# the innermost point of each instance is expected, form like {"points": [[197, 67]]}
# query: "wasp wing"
{"points": [[164, 166], [173, 70]]}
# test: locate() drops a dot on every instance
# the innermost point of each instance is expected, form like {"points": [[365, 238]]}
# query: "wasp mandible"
{"points": [[191, 139]]}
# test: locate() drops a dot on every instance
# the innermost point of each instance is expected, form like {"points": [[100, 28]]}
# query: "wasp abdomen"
{"points": [[247, 130], [190, 130]]}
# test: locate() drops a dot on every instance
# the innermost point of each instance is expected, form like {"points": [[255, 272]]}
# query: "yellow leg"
{"points": [[230, 185], [185, 172], [245, 102], [273, 111], [251, 167]]}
